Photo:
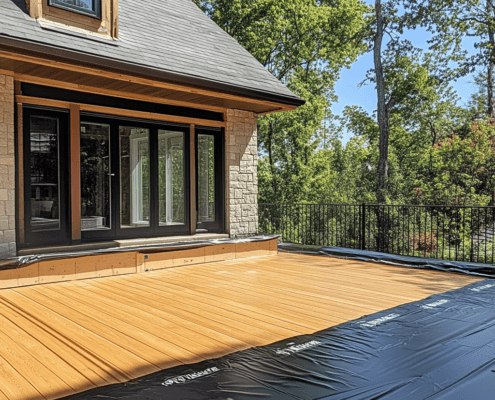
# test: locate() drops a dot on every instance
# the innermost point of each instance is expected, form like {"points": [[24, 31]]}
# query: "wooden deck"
{"points": [[61, 338]]}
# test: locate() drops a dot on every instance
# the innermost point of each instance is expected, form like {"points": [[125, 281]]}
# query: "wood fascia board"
{"points": [[21, 233], [133, 79], [120, 112], [6, 72], [288, 108], [114, 93]]}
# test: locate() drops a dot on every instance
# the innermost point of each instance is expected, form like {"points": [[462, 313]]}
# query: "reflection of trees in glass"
{"points": [[134, 176], [44, 168], [206, 178], [95, 167], [144, 173], [87, 4], [171, 177]]}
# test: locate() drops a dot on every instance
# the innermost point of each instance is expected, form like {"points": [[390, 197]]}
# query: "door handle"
{"points": [[111, 174]]}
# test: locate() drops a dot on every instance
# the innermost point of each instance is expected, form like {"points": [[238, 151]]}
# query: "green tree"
{"points": [[450, 22], [305, 44], [462, 170]]}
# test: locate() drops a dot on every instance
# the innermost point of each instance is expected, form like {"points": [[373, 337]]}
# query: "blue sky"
{"points": [[349, 94]]}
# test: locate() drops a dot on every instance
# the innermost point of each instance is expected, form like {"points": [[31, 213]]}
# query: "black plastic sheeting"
{"points": [[482, 270], [439, 348], [23, 261], [487, 270]]}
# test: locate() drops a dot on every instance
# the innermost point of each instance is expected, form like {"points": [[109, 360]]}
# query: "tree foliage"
{"points": [[305, 44], [437, 151]]}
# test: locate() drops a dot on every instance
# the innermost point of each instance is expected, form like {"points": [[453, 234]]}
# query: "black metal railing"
{"points": [[453, 233]]}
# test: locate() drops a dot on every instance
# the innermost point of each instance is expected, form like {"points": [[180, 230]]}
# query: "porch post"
{"points": [[192, 179], [241, 175], [20, 177], [75, 172], [7, 169]]}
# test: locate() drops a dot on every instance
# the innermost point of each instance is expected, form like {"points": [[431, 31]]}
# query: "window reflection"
{"points": [[45, 201], [134, 177], [86, 4], [95, 176], [171, 177], [206, 178]]}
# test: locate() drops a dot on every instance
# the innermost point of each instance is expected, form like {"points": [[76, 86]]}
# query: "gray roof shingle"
{"points": [[170, 36]]}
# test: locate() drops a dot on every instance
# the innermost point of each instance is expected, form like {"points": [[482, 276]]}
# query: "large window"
{"points": [[206, 178], [134, 177], [171, 178], [87, 7], [45, 172], [95, 177]]}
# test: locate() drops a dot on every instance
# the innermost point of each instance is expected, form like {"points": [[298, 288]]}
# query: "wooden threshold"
{"points": [[154, 241], [119, 112], [64, 338]]}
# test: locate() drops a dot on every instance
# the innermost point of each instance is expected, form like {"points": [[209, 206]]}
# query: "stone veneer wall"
{"points": [[241, 176], [7, 168]]}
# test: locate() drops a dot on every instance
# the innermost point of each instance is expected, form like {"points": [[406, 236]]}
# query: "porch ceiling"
{"points": [[31, 68], [63, 338]]}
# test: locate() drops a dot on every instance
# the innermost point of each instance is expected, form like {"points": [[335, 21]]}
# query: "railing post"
{"points": [[363, 226]]}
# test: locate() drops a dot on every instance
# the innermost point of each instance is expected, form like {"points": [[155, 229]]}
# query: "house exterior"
{"points": [[126, 119]]}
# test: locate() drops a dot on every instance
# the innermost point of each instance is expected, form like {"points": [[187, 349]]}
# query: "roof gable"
{"points": [[174, 36]]}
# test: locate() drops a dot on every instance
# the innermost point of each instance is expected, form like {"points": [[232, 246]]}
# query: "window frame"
{"points": [[79, 10], [218, 225]]}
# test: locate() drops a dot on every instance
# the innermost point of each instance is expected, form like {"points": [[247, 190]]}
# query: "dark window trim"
{"points": [[217, 226], [96, 13], [62, 235]]}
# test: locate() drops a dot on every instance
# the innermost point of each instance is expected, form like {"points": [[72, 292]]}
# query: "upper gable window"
{"points": [[91, 8]]}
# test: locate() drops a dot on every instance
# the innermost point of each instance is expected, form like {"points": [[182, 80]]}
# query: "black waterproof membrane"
{"points": [[23, 261], [487, 270], [439, 348]]}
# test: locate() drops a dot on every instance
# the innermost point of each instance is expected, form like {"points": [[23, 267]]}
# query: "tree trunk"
{"points": [[383, 113], [381, 108], [270, 158], [491, 63]]}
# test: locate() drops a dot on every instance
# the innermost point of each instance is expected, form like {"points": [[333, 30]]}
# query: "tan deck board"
{"points": [[115, 313], [168, 311], [67, 337], [205, 306]]}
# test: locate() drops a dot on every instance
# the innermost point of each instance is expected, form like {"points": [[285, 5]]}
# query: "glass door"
{"points": [[46, 177], [171, 174], [133, 179], [96, 179], [209, 180]]}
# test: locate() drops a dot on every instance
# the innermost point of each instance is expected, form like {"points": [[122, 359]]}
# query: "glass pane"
{"points": [[134, 177], [206, 178], [95, 176], [45, 201], [85, 4], [171, 177]]}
